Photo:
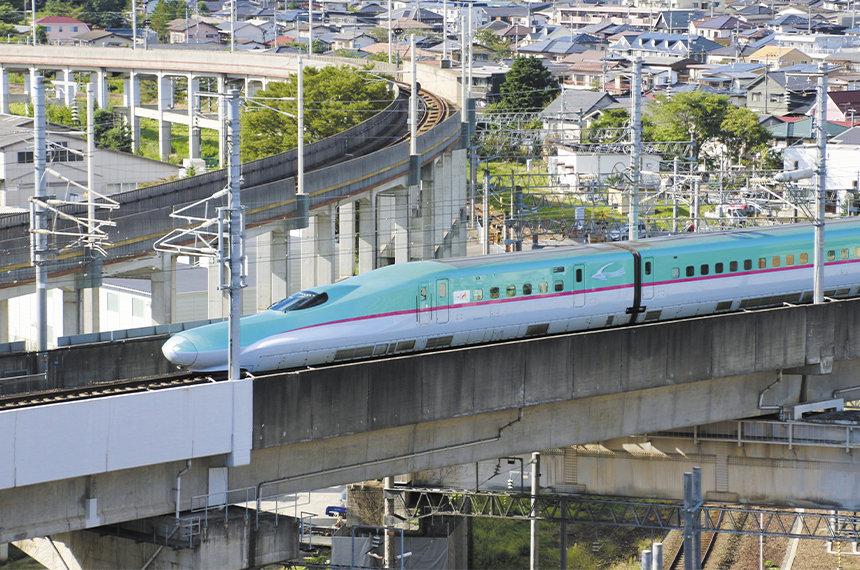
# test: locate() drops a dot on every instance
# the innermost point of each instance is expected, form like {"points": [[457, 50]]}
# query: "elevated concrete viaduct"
{"points": [[319, 427]]}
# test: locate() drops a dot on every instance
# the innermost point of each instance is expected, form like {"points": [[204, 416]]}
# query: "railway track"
{"points": [[103, 389], [708, 538], [436, 110]]}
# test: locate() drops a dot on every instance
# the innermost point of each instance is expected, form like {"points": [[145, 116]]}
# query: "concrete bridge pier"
{"points": [[165, 102], [4, 90], [163, 288], [81, 313], [271, 266], [366, 240], [132, 102], [345, 246], [99, 81], [70, 88]]}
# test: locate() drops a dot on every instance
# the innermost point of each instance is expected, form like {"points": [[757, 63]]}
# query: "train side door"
{"points": [[579, 285], [424, 304], [648, 278], [443, 298]]}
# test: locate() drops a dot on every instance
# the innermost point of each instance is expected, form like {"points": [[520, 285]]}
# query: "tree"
{"points": [[528, 87], [61, 8], [611, 126], [8, 14], [492, 41], [693, 114], [164, 12], [110, 132], [104, 13], [336, 98], [741, 132]]}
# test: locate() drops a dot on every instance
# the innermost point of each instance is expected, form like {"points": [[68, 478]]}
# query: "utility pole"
{"points": [[533, 523], [636, 148], [38, 215], [300, 127], [821, 173], [310, 27], [233, 216]]}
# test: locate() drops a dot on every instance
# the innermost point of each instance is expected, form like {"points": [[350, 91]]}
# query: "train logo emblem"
{"points": [[461, 297], [603, 275]]}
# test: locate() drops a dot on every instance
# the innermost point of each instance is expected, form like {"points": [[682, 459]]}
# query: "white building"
{"points": [[843, 166], [114, 171]]}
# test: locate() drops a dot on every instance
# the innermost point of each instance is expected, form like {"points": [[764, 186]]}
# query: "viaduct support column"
{"points": [[99, 81], [455, 177], [216, 302], [366, 234], [193, 128], [400, 226], [271, 268], [431, 213], [165, 101], [301, 265], [71, 311], [385, 211], [132, 101], [4, 320], [324, 256], [163, 279], [90, 309], [4, 90], [346, 241], [70, 88]]}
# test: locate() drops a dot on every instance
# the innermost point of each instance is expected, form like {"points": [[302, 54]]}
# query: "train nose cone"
{"points": [[180, 351]]}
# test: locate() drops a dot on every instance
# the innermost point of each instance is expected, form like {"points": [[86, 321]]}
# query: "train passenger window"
{"points": [[845, 253], [831, 254], [579, 275], [423, 293], [733, 266], [804, 258], [704, 269], [762, 262], [543, 287], [511, 290], [558, 269], [718, 267], [443, 289], [789, 259], [527, 288], [747, 264], [559, 285], [676, 272], [774, 261], [647, 269], [301, 300], [494, 292], [477, 294], [857, 252], [691, 271]]}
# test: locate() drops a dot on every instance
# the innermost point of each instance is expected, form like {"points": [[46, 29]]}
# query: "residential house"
{"points": [[676, 21], [660, 47], [843, 161], [734, 53], [351, 39], [789, 24], [192, 31], [775, 57], [61, 30], [781, 93], [102, 38], [589, 69], [569, 114], [719, 29], [731, 78], [115, 171], [841, 106], [556, 50]]}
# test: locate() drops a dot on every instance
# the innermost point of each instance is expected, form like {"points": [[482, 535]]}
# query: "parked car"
{"points": [[623, 232]]}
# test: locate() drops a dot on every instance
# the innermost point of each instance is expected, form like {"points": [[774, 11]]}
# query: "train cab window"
{"points": [[718, 267], [579, 275], [789, 259], [831, 254], [301, 300], [527, 288], [494, 292], [477, 294], [762, 262], [845, 253], [775, 261], [690, 271], [747, 264], [676, 272], [704, 269], [511, 290], [647, 270], [543, 287], [558, 269], [443, 289], [559, 285], [804, 258], [733, 266]]}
